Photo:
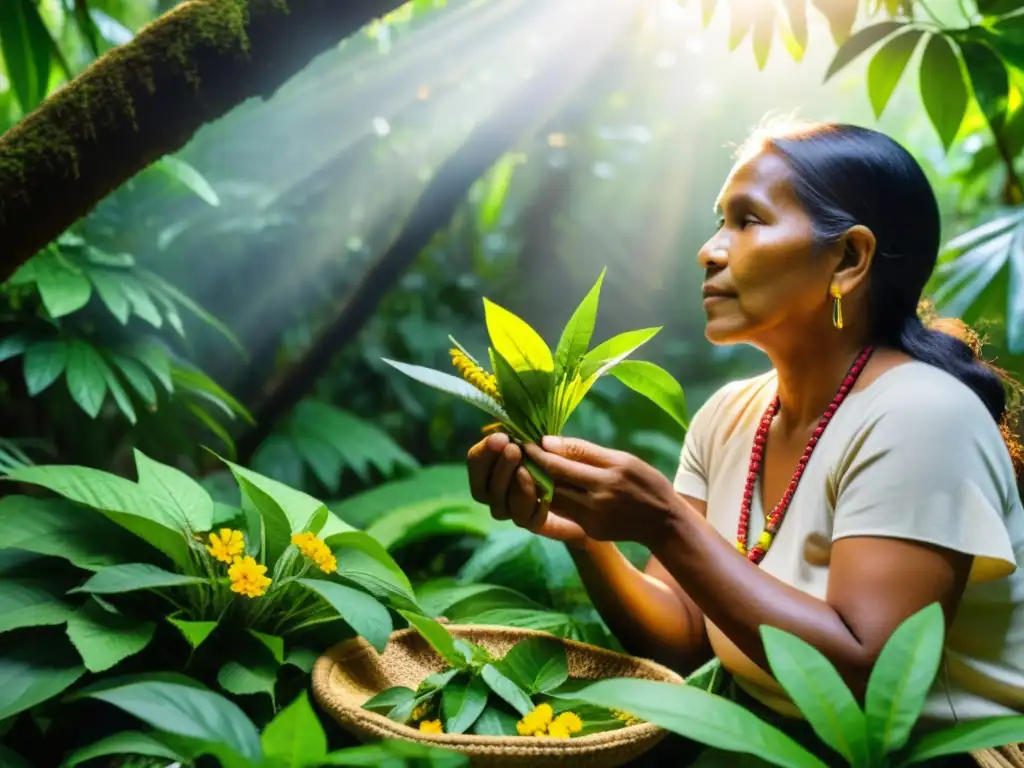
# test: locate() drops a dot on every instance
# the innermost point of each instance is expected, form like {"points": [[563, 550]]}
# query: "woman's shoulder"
{"points": [[732, 404]]}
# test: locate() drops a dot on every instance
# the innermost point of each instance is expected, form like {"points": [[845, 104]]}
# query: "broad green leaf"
{"points": [[575, 339], [272, 643], [121, 500], [295, 737], [60, 528], [11, 759], [195, 632], [124, 402], [11, 346], [186, 711], [35, 672], [524, 394], [516, 341], [389, 698], [124, 743], [360, 611], [299, 507], [177, 490], [170, 293], [104, 639], [860, 42], [614, 348], [841, 15], [997, 7], [438, 637], [85, 377], [536, 664], [967, 737], [494, 721], [396, 754], [943, 90], [654, 383], [248, 677], [184, 174], [497, 184], [367, 544], [27, 51], [108, 285], [386, 591], [62, 289], [989, 80], [697, 715], [452, 385], [116, 579], [155, 359], [887, 67], [136, 375], [31, 603], [140, 300], [302, 658], [44, 362], [1015, 304], [462, 702], [819, 692], [506, 689], [901, 679], [276, 528]]}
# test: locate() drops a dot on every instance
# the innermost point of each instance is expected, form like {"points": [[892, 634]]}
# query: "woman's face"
{"points": [[764, 277]]}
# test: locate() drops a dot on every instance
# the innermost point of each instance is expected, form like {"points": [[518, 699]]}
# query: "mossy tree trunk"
{"points": [[146, 99]]}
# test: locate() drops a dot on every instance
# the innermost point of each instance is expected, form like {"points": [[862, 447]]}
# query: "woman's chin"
{"points": [[721, 332]]}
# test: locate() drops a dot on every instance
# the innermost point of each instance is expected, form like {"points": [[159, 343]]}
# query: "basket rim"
{"points": [[361, 718]]}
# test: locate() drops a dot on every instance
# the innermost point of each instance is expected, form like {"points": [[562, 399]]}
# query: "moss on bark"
{"points": [[147, 98]]}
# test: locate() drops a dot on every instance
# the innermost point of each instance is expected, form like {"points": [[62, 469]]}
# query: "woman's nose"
{"points": [[713, 255]]}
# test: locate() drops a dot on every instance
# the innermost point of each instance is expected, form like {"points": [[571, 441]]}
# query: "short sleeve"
{"points": [[694, 464], [931, 468]]}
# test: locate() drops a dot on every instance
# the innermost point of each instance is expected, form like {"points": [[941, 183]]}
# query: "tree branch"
{"points": [[147, 98]]}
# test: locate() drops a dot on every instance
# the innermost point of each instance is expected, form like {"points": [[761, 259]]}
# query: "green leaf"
{"points": [[389, 698], [887, 67], [524, 396], [136, 375], [44, 363], [86, 377], [764, 25], [578, 332], [31, 603], [615, 348], [495, 721], [124, 403], [536, 664], [177, 490], [990, 81], [188, 177], [184, 710], [295, 737], [299, 508], [967, 737], [697, 715], [121, 500], [195, 632], [386, 591], [513, 695], [462, 703], [117, 579], [108, 285], [124, 743], [943, 90], [901, 679], [516, 341], [11, 759], [841, 15], [140, 300], [155, 359], [497, 184], [272, 643], [796, 12], [368, 545], [59, 528], [105, 639], [452, 385], [276, 530], [1015, 308], [302, 658], [654, 383], [168, 292], [396, 754], [360, 611], [62, 289], [11, 346], [860, 42], [35, 672], [438, 637], [997, 7], [248, 676], [27, 51], [816, 688]]}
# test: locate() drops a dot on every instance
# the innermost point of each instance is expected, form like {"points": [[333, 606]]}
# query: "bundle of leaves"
{"points": [[527, 692], [135, 577], [531, 391]]}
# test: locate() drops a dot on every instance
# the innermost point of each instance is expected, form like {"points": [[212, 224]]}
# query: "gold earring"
{"points": [[837, 307]]}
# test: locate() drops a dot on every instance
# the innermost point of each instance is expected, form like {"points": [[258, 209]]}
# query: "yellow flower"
{"points": [[421, 711], [536, 722], [431, 726], [247, 577], [627, 718], [227, 545], [315, 549], [567, 721], [474, 374]]}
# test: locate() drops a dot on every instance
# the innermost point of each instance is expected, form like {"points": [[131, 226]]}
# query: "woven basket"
{"points": [[1000, 757], [350, 673]]}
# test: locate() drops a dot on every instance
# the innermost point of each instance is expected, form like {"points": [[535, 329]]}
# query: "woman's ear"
{"points": [[858, 252]]}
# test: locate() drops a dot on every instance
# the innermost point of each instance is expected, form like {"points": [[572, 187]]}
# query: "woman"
{"points": [[874, 445]]}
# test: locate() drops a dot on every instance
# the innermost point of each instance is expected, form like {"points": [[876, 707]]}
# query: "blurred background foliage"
{"points": [[238, 297]]}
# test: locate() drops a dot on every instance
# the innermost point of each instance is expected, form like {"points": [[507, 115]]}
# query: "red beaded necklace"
{"points": [[774, 521]]}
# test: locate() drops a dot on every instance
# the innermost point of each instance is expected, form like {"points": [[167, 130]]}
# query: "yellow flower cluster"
{"points": [[474, 374], [542, 723], [248, 577], [226, 545], [315, 549], [626, 717], [431, 726]]}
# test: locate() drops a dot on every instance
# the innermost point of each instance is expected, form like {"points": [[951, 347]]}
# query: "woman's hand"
{"points": [[610, 495], [498, 479]]}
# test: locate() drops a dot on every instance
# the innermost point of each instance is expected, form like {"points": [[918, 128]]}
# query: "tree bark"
{"points": [[147, 98], [558, 76]]}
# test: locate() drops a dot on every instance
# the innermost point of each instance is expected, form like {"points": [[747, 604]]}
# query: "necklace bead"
{"points": [[773, 519]]}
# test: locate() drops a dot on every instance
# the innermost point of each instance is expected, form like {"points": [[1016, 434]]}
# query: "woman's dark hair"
{"points": [[846, 175]]}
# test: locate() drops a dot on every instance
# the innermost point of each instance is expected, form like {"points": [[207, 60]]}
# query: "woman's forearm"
{"points": [[644, 613]]}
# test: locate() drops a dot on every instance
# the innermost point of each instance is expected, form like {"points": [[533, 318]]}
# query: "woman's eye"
{"points": [[749, 221], [720, 223]]}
